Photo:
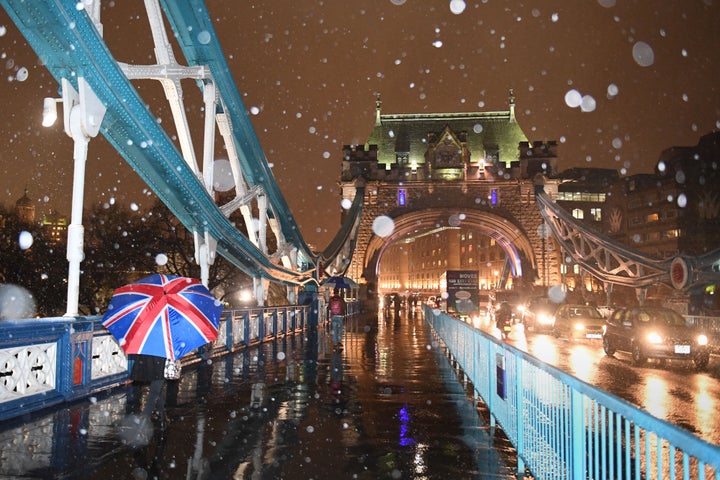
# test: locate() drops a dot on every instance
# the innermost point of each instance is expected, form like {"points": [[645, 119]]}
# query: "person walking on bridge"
{"points": [[338, 308]]}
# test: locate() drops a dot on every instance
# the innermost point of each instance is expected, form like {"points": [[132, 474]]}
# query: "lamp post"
{"points": [[83, 113]]}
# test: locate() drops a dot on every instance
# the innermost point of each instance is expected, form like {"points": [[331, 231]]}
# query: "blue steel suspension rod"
{"points": [[197, 38], [69, 45], [345, 239]]}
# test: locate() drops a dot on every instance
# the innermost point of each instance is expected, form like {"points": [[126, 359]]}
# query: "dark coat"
{"points": [[147, 368]]}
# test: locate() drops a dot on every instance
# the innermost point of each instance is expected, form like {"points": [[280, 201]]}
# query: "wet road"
{"points": [[388, 406], [672, 390]]}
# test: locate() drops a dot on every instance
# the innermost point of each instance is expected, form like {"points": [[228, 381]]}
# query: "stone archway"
{"points": [[509, 235]]}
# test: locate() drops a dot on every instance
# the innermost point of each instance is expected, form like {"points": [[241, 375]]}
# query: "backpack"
{"points": [[336, 306]]}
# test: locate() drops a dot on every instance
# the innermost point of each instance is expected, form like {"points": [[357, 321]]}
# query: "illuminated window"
{"points": [[653, 217], [578, 213], [581, 197], [401, 197], [596, 214]]}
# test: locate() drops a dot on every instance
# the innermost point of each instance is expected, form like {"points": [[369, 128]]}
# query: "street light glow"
{"points": [[49, 112]]}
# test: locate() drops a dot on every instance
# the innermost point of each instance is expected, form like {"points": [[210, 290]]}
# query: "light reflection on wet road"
{"points": [[388, 406]]}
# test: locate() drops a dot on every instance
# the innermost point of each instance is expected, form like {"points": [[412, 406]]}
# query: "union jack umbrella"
{"points": [[163, 316]]}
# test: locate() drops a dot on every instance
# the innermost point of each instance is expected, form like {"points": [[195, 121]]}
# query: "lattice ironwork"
{"points": [[613, 262]]}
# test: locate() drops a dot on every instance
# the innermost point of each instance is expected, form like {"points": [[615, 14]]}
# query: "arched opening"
{"points": [[504, 235]]}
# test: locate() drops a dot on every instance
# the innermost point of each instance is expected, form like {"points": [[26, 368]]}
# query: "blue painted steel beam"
{"points": [[348, 230]]}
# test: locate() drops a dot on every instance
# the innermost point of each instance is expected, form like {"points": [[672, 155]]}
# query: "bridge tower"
{"points": [[476, 170]]}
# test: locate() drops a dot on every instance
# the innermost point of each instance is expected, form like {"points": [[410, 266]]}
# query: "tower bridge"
{"points": [[477, 171], [469, 170], [424, 172]]}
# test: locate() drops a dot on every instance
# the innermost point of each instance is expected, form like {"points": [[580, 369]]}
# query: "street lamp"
{"points": [[83, 113], [50, 111]]}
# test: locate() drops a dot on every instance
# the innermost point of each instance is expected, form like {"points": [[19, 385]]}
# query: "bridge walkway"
{"points": [[389, 405]]}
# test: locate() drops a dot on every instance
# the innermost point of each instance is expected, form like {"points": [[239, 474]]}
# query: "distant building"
{"points": [[484, 254], [673, 211], [676, 209], [55, 226], [25, 209], [583, 192]]}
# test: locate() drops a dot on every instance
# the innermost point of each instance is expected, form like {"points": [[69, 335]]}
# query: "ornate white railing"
{"points": [[27, 370], [48, 361]]}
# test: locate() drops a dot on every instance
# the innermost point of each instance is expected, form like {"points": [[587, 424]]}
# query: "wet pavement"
{"points": [[389, 405]]}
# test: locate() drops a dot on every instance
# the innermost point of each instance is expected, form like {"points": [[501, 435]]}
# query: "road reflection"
{"points": [[655, 395], [543, 348]]}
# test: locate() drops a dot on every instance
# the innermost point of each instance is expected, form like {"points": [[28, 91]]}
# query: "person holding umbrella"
{"points": [[338, 308], [157, 320]]}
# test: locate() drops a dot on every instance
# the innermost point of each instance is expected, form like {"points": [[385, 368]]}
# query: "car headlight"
{"points": [[544, 319], [521, 308], [654, 338], [702, 340], [579, 326]]}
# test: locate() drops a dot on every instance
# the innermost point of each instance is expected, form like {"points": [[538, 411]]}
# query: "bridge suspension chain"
{"points": [[614, 263]]}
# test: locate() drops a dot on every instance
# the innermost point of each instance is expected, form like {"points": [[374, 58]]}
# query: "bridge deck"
{"points": [[388, 406]]}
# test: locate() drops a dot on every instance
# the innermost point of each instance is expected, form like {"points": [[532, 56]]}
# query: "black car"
{"points": [[654, 332]]}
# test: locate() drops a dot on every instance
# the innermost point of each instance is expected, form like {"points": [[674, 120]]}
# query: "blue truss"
{"points": [[69, 45]]}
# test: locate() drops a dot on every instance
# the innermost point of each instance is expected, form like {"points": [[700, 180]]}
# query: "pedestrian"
{"points": [[137, 428], [338, 308], [153, 371]]}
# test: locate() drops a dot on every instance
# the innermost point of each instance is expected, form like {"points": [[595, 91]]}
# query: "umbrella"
{"points": [[339, 282], [163, 316]]}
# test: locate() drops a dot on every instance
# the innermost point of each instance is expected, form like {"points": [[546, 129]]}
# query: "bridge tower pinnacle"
{"points": [[378, 107], [511, 101]]}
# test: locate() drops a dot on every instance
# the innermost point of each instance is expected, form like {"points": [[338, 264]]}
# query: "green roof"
{"points": [[409, 133]]}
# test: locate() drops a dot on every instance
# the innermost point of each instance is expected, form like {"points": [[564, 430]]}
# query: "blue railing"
{"points": [[45, 362], [563, 428]]}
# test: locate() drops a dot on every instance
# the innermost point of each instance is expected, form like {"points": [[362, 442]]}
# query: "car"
{"points": [[578, 322], [538, 314], [655, 332], [605, 310], [484, 302]]}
